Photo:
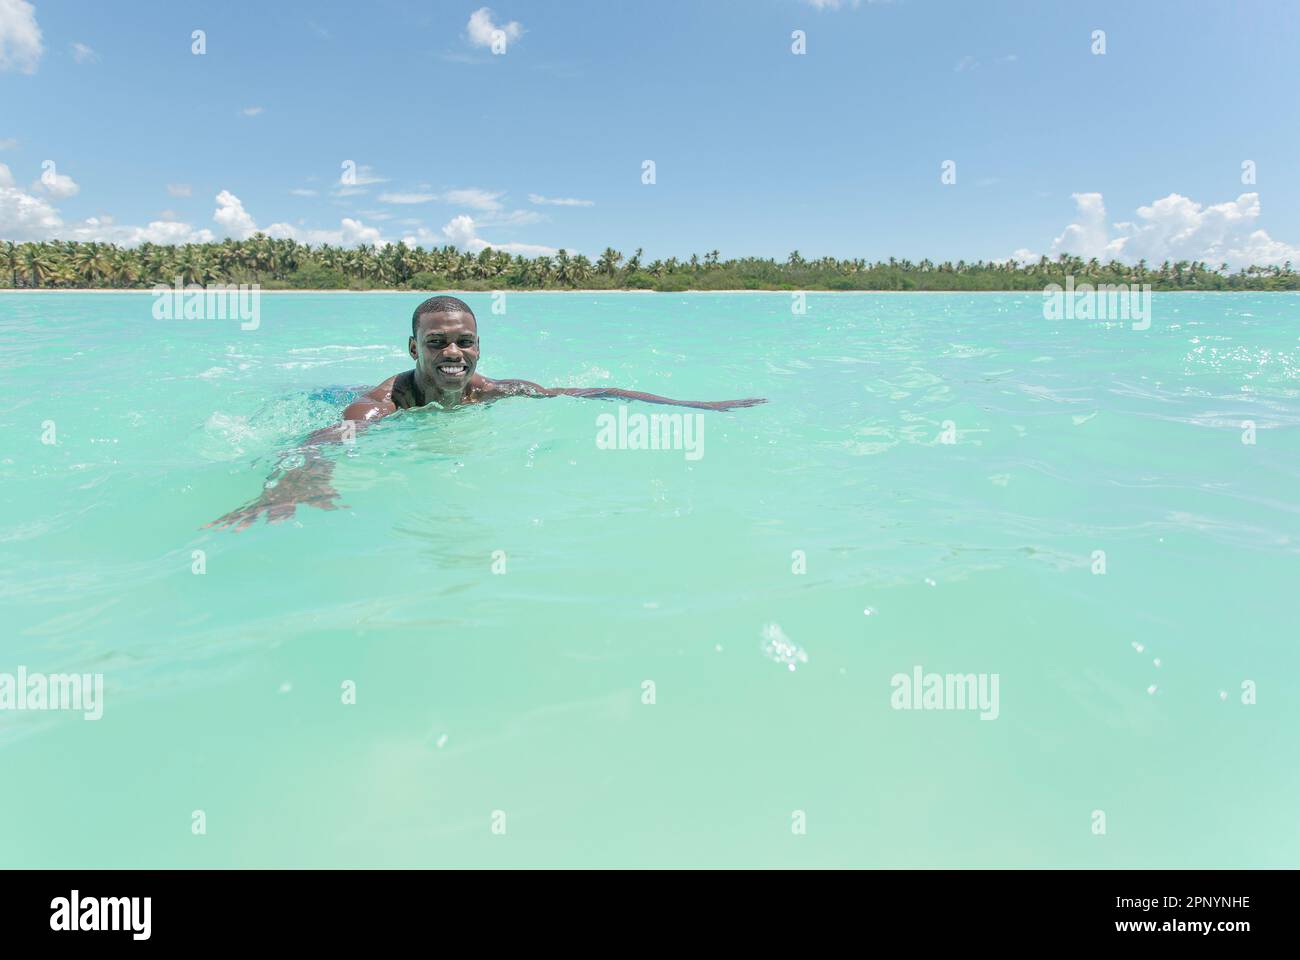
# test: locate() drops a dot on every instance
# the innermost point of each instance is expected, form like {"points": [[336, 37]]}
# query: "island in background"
{"points": [[281, 264]]}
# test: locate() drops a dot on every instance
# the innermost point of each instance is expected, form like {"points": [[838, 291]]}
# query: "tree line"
{"points": [[289, 265]]}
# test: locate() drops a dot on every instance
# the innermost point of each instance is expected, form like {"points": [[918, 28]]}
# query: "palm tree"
{"points": [[64, 275], [563, 268], [87, 263], [38, 263], [189, 265], [259, 252], [122, 269], [609, 261], [10, 259], [580, 270]]}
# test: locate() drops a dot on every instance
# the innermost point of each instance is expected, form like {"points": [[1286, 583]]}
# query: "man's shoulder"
{"points": [[384, 391], [508, 388], [485, 388], [378, 402]]}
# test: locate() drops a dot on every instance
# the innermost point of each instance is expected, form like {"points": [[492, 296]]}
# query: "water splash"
{"points": [[780, 648]]}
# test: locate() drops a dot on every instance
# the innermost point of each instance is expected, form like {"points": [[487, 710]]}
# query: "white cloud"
{"points": [[474, 198], [351, 233], [22, 216], [84, 54], [239, 223], [232, 217], [104, 230], [25, 217], [8, 144], [560, 201], [20, 37], [179, 189], [360, 178], [1175, 228], [252, 111], [515, 218], [461, 232], [841, 4], [60, 186], [364, 176], [422, 237], [407, 197], [481, 28], [486, 200], [1089, 236]]}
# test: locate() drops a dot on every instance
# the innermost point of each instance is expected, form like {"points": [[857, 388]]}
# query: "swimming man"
{"points": [[445, 347]]}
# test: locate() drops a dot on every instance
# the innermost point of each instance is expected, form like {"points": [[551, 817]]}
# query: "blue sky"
{"points": [[758, 151]]}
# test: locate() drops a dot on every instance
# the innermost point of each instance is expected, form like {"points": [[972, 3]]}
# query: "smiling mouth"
{"points": [[452, 369]]}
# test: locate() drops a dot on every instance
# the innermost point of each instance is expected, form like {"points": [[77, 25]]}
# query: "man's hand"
{"points": [[309, 482], [732, 404], [303, 485]]}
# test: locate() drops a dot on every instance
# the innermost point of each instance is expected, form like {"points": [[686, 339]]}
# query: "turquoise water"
{"points": [[515, 700]]}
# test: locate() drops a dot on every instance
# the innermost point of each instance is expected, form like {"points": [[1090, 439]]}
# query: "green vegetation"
{"points": [[288, 265]]}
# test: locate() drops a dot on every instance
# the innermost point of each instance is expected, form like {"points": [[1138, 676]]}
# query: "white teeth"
{"points": [[454, 369]]}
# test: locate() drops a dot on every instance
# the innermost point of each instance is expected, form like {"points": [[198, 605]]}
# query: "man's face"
{"points": [[445, 349]]}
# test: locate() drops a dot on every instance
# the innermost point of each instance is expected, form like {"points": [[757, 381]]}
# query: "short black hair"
{"points": [[439, 305]]}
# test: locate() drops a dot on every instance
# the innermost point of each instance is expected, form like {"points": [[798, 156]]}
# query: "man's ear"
{"points": [[415, 354]]}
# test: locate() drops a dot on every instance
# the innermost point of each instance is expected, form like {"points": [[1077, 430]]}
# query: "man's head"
{"points": [[444, 343]]}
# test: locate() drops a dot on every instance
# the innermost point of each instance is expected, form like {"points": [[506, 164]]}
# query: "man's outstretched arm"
{"points": [[304, 474], [525, 388]]}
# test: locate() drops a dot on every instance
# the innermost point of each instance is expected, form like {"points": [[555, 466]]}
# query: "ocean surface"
{"points": [[517, 648]]}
